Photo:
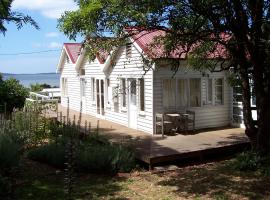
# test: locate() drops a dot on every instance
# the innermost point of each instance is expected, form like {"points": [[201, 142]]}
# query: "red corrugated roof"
{"points": [[146, 41], [73, 51]]}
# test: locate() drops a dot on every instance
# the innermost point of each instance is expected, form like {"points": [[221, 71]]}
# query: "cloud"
{"points": [[52, 34], [48, 8], [55, 45]]}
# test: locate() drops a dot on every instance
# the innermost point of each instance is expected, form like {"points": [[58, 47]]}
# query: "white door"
{"points": [[132, 108]]}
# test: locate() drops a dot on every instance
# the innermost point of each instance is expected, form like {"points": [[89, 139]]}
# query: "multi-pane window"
{"points": [[182, 100], [93, 97], [123, 92], [142, 104], [169, 92], [209, 91], [195, 92], [82, 86], [64, 87], [219, 91]]}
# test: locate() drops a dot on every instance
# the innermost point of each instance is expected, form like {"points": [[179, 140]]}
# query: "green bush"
{"points": [[251, 161], [247, 161], [12, 93], [90, 156], [11, 145], [53, 154], [10, 149]]}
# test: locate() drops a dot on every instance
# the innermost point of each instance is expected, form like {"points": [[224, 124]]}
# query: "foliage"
{"points": [[214, 35], [252, 161], [11, 146], [8, 16], [12, 93], [90, 156], [53, 154], [38, 87]]}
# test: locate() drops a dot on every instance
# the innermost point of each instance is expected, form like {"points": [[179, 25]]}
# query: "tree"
{"points": [[7, 16], [12, 93], [240, 28]]}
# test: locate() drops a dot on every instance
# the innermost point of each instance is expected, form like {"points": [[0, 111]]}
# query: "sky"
{"points": [[28, 39]]}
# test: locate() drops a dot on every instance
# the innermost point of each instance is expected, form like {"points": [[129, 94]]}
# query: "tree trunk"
{"points": [[250, 130], [263, 136]]}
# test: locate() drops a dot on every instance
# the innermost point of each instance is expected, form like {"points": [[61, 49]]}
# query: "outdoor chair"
{"points": [[161, 122], [190, 120]]}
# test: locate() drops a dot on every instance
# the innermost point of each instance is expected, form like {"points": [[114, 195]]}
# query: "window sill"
{"points": [[142, 113], [124, 110]]}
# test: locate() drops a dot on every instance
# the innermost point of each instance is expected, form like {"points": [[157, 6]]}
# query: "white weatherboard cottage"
{"points": [[124, 88]]}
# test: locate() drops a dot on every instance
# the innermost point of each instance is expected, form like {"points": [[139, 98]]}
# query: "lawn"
{"points": [[216, 180]]}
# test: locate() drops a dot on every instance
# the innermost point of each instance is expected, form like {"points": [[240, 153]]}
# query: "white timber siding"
{"points": [[131, 68], [206, 116], [73, 98], [92, 70]]}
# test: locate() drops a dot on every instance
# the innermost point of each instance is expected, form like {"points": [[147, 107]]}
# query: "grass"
{"points": [[215, 180]]}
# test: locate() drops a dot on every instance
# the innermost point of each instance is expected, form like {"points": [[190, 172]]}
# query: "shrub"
{"points": [[53, 154], [251, 161], [247, 161], [90, 156], [12, 93], [11, 143], [10, 148]]}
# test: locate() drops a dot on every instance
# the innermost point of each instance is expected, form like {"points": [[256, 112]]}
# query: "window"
{"points": [[108, 91], [141, 82], [123, 92], [64, 87], [93, 89], [82, 86], [208, 91], [182, 93], [219, 91], [195, 92], [128, 50], [169, 92]]}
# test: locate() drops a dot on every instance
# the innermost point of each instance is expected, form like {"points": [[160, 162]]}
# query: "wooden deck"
{"points": [[156, 149]]}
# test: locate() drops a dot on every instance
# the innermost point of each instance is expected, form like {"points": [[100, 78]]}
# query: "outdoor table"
{"points": [[179, 120]]}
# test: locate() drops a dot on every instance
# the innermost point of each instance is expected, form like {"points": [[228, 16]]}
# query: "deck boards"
{"points": [[155, 149]]}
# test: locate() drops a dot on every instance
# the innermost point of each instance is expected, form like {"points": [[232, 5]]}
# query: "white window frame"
{"points": [[82, 87], [209, 101], [189, 92], [222, 92], [107, 88], [141, 95], [93, 89], [123, 88], [64, 87]]}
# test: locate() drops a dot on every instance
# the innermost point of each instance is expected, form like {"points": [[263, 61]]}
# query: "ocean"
{"points": [[52, 79]]}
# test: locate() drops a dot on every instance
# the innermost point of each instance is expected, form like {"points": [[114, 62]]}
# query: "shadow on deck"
{"points": [[154, 149]]}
